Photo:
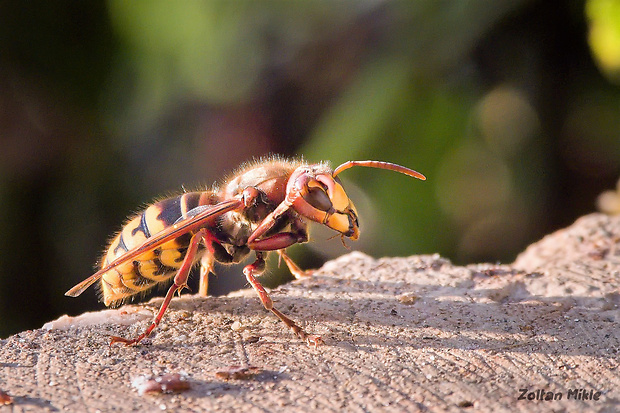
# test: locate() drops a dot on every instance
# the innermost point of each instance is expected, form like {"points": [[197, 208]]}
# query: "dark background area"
{"points": [[510, 108]]}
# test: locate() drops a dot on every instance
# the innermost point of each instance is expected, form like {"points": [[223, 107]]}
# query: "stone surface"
{"points": [[401, 334]]}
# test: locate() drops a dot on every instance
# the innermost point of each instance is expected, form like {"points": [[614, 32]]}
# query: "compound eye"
{"points": [[319, 199]]}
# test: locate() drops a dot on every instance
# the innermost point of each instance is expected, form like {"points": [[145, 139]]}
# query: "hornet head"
{"points": [[316, 193]]}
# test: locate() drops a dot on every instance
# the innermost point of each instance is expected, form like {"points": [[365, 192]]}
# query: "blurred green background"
{"points": [[510, 108]]}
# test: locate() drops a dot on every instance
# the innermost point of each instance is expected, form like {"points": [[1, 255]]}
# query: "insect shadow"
{"points": [[434, 319]]}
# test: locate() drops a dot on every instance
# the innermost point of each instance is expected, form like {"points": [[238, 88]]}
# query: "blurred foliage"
{"points": [[510, 108], [604, 35]]}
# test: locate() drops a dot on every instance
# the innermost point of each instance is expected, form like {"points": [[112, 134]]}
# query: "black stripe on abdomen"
{"points": [[121, 244], [142, 227]]}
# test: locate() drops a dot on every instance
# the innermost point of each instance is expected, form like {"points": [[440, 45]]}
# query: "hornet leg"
{"points": [[256, 268], [180, 282], [206, 264], [297, 272], [206, 267]]}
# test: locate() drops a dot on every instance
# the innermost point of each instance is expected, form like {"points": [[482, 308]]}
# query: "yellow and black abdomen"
{"points": [[153, 266]]}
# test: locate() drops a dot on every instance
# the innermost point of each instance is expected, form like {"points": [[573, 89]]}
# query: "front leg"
{"points": [[282, 240], [256, 268], [277, 241], [298, 234]]}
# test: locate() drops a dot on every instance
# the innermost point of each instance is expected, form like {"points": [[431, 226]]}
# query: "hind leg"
{"points": [[180, 282]]}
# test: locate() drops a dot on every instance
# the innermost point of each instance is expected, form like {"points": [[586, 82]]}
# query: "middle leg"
{"points": [[297, 272]]}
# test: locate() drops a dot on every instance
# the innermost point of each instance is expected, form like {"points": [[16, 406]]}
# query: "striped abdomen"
{"points": [[153, 266]]}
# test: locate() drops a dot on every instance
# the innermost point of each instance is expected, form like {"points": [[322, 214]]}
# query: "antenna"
{"points": [[380, 165]]}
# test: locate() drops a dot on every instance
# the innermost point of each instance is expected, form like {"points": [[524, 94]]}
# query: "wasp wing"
{"points": [[178, 228]]}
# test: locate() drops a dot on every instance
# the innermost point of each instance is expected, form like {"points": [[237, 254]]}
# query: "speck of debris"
{"points": [[408, 298], [236, 326], [166, 383], [5, 398]]}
